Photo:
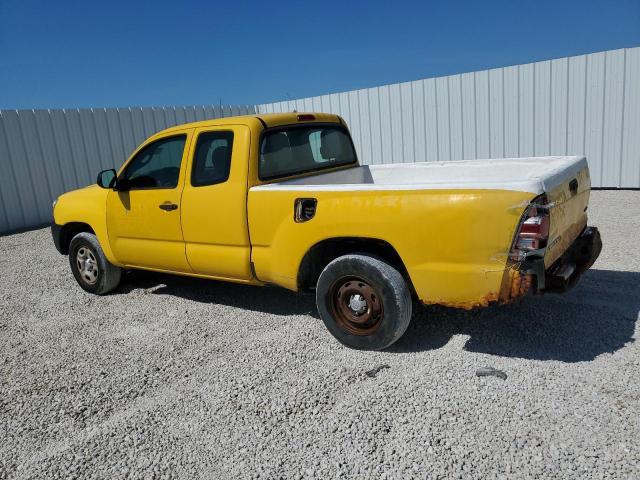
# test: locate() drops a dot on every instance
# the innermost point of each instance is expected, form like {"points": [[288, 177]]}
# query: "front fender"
{"points": [[86, 205]]}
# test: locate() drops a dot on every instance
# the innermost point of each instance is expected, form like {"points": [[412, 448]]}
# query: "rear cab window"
{"points": [[212, 158], [299, 149]]}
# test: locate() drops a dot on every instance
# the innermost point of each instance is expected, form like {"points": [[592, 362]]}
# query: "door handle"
{"points": [[169, 206]]}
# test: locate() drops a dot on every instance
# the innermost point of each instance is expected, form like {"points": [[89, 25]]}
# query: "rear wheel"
{"points": [[93, 272], [364, 302]]}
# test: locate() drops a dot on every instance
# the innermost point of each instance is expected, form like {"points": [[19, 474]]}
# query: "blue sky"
{"points": [[112, 53]]}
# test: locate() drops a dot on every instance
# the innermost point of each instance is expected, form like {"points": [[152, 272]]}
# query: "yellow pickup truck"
{"points": [[282, 199]]}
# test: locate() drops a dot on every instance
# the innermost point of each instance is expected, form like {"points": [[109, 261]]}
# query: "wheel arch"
{"points": [[327, 250], [70, 230]]}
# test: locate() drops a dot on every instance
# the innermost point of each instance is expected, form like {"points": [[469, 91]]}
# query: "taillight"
{"points": [[533, 231], [306, 117]]}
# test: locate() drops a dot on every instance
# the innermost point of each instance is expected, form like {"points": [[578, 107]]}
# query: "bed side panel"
{"points": [[454, 243]]}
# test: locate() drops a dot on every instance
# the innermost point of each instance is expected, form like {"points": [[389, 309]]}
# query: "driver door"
{"points": [[143, 212]]}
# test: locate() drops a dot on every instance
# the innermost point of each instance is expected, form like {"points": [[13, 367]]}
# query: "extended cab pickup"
{"points": [[282, 199]]}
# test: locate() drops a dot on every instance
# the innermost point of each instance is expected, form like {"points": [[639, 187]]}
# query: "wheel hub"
{"points": [[87, 265], [356, 306]]}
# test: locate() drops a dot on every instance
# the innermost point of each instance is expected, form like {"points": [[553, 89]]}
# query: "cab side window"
{"points": [[212, 158], [156, 166]]}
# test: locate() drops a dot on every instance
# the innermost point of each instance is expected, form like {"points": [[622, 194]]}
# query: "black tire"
{"points": [[361, 278], [107, 276]]}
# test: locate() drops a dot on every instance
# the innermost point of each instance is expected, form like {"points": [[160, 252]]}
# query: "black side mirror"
{"points": [[107, 178]]}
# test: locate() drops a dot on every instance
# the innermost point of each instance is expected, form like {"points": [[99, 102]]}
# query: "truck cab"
{"points": [[179, 203]]}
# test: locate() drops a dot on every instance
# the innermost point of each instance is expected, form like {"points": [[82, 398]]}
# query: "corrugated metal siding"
{"points": [[585, 105], [44, 153], [588, 105]]}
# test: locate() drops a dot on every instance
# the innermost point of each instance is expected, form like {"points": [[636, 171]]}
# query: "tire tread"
{"points": [[110, 275], [393, 288]]}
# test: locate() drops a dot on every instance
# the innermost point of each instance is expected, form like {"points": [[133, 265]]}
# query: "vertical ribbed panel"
{"points": [[630, 154], [44, 153], [585, 105]]}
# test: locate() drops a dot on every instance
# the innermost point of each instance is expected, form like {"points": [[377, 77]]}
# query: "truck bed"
{"points": [[531, 174], [563, 179]]}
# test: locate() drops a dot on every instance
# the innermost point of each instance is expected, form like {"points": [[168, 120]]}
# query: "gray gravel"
{"points": [[174, 377]]}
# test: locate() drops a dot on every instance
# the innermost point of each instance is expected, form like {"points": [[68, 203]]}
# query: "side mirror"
{"points": [[107, 178]]}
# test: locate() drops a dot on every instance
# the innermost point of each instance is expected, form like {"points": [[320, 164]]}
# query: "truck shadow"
{"points": [[598, 316], [273, 300]]}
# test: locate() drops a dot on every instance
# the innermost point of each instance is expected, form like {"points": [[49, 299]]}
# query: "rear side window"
{"points": [[301, 149], [212, 158], [155, 166]]}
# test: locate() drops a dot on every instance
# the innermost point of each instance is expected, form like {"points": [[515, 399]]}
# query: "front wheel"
{"points": [[364, 302], [93, 272]]}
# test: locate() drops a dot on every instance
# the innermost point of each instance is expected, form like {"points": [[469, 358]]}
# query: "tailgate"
{"points": [[568, 194]]}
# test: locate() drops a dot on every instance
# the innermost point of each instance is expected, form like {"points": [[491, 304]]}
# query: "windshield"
{"points": [[295, 150]]}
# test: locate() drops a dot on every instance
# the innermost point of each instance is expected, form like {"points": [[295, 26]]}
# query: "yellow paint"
{"points": [[214, 217], [143, 235], [86, 205], [455, 251], [454, 243]]}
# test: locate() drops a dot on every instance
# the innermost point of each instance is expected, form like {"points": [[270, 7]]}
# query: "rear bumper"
{"points": [[567, 270]]}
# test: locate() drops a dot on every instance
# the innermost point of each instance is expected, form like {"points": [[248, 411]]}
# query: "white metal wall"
{"points": [[589, 104], [46, 152]]}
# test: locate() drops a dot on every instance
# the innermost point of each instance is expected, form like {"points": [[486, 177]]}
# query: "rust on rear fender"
{"points": [[520, 285], [514, 285]]}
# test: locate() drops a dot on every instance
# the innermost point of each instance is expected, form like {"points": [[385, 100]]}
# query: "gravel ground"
{"points": [[176, 378]]}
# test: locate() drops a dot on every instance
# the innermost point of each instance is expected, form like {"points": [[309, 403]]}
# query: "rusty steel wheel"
{"points": [[356, 306], [363, 301]]}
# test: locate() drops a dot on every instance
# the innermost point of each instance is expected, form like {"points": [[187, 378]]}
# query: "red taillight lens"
{"points": [[538, 226], [533, 231], [306, 117]]}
